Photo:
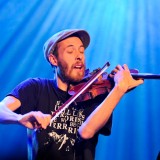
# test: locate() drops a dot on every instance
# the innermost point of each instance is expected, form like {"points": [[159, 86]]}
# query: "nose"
{"points": [[79, 56]]}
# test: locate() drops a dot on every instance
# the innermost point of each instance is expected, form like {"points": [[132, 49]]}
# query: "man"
{"points": [[74, 133]]}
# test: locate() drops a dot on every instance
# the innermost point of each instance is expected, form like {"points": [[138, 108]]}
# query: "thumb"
{"points": [[137, 83]]}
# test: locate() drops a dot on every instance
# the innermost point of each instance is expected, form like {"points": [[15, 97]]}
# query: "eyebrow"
{"points": [[71, 45]]}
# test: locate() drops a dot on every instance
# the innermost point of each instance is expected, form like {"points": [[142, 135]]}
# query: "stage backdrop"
{"points": [[126, 31]]}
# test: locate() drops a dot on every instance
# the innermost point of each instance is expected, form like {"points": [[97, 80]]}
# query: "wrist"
{"points": [[18, 118], [120, 90]]}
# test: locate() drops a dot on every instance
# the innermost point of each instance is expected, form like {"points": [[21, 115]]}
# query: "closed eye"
{"points": [[70, 49], [81, 49]]}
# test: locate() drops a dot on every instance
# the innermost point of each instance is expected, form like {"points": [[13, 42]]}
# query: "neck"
{"points": [[61, 85]]}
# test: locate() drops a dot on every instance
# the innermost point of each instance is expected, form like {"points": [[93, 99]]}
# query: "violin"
{"points": [[103, 84], [96, 83]]}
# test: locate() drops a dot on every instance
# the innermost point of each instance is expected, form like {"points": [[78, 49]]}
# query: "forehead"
{"points": [[75, 41]]}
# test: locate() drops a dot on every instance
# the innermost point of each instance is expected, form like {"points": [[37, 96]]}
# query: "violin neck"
{"points": [[145, 75]]}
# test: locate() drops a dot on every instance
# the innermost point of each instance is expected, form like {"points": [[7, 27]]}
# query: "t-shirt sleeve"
{"points": [[26, 93]]}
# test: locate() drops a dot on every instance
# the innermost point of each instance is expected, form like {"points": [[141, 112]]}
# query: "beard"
{"points": [[70, 75]]}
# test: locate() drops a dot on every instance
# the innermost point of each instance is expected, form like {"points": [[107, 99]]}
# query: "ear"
{"points": [[52, 59]]}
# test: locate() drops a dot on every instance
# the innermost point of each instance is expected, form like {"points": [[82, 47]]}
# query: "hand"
{"points": [[123, 78], [35, 120]]}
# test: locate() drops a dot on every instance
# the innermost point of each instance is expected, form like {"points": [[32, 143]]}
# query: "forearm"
{"points": [[8, 116], [32, 120], [123, 81], [101, 114]]}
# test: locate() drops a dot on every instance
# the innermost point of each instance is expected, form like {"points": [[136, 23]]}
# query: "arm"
{"points": [[30, 120], [8, 105], [98, 118]]}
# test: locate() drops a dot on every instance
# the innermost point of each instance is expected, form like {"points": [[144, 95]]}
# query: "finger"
{"points": [[113, 72], [111, 75], [125, 67], [136, 83], [119, 67], [39, 119], [36, 125], [46, 120], [43, 119], [140, 81]]}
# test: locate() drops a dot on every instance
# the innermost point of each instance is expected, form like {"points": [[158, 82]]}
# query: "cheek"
{"points": [[70, 58], [69, 61], [65, 66], [83, 58]]}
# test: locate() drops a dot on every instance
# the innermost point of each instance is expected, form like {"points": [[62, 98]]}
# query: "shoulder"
{"points": [[35, 83], [38, 81]]}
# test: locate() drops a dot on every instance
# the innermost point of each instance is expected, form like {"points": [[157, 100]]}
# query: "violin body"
{"points": [[100, 86]]}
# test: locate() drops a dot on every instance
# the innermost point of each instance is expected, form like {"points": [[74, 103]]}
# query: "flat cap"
{"points": [[50, 44]]}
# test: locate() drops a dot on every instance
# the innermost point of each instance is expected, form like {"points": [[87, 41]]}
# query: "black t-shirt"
{"points": [[60, 140]]}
